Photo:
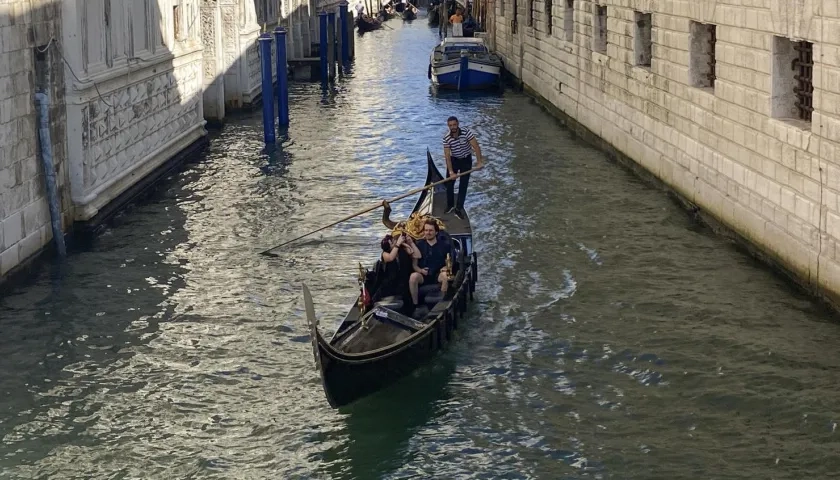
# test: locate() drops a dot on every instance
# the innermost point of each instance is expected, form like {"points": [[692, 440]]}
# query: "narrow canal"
{"points": [[612, 338]]}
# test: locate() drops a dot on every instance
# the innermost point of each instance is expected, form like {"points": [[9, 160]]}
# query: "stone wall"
{"points": [[712, 112], [138, 74], [28, 62], [135, 99]]}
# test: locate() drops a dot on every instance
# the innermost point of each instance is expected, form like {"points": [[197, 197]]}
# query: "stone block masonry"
{"points": [[125, 81], [129, 81], [27, 65], [734, 105]]}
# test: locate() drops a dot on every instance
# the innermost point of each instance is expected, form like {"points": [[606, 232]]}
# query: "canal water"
{"points": [[611, 338]]}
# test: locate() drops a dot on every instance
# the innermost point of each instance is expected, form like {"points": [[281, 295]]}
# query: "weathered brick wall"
{"points": [[729, 149], [24, 212]]}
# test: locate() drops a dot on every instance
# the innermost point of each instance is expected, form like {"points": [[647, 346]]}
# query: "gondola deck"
{"points": [[370, 351]]}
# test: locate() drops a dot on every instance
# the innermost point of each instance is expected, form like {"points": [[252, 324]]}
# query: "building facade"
{"points": [[25, 69], [734, 105], [130, 83], [134, 94]]}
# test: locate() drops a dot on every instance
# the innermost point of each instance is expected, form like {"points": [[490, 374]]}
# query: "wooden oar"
{"points": [[371, 208]]}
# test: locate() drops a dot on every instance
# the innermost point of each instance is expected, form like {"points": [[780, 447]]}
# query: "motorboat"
{"points": [[464, 63]]}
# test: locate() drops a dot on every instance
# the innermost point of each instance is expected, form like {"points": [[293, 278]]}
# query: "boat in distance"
{"points": [[375, 344], [410, 13], [464, 63]]}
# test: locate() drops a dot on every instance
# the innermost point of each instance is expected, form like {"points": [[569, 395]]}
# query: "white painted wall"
{"points": [[134, 98]]}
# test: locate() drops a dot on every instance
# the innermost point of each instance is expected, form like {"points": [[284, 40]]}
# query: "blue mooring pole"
{"points": [[322, 19], [282, 79], [464, 71], [345, 33], [267, 89], [331, 40]]}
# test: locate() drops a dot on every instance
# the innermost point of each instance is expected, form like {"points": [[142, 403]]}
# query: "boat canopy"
{"points": [[456, 44]]}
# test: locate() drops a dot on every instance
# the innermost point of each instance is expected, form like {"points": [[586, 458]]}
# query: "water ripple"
{"points": [[169, 349]]}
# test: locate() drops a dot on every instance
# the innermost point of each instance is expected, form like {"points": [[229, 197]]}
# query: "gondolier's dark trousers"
{"points": [[459, 165]]}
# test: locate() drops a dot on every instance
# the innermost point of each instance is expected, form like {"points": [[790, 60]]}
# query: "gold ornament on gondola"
{"points": [[362, 274], [448, 267], [414, 226]]}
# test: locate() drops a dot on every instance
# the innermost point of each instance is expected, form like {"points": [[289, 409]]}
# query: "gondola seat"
{"points": [[430, 294], [394, 302]]}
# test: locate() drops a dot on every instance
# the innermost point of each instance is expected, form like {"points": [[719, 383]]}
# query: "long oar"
{"points": [[371, 208]]}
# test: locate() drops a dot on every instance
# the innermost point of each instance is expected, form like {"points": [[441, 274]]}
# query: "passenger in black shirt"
{"points": [[399, 255], [433, 258]]}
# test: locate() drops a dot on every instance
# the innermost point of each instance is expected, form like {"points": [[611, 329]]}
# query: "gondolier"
{"points": [[377, 344], [458, 145]]}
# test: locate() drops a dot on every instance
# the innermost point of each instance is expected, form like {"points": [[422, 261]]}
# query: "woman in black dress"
{"points": [[399, 257]]}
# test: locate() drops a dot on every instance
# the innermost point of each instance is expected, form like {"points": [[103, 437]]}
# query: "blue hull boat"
{"points": [[464, 63]]}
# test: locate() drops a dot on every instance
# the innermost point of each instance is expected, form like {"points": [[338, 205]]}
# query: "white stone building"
{"points": [[130, 82], [133, 92], [733, 104]]}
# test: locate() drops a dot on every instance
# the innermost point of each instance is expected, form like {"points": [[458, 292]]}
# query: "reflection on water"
{"points": [[611, 338]]}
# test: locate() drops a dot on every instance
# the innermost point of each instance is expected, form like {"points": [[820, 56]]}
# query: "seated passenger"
{"points": [[433, 258], [400, 257]]}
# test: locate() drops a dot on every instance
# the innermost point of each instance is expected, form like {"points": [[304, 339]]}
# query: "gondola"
{"points": [[434, 16], [367, 24], [410, 13], [375, 344], [385, 15]]}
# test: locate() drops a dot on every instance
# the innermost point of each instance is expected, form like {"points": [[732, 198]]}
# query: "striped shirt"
{"points": [[460, 145]]}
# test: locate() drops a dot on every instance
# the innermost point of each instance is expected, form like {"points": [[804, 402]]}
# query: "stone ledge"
{"points": [[152, 172], [800, 278], [81, 232], [86, 207]]}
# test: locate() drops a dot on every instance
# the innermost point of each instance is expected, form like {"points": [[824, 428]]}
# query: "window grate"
{"points": [[549, 18], [514, 24], [712, 61], [530, 13], [804, 89]]}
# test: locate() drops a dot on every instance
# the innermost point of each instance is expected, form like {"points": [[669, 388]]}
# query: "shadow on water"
{"points": [[277, 158], [377, 431], [93, 311]]}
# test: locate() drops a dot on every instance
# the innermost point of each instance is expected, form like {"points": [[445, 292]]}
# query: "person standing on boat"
{"points": [[458, 145], [457, 21]]}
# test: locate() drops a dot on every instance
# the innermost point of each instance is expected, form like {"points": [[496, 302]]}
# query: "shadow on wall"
{"points": [[126, 86], [166, 66], [130, 83], [29, 64]]}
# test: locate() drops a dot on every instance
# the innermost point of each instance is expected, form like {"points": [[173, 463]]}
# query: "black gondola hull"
{"points": [[348, 377], [368, 25], [434, 17]]}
